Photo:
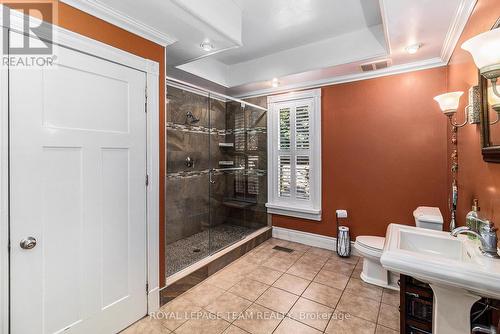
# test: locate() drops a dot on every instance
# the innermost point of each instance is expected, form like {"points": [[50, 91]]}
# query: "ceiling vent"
{"points": [[378, 65]]}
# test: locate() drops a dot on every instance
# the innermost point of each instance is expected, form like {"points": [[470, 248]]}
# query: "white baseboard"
{"points": [[309, 239]]}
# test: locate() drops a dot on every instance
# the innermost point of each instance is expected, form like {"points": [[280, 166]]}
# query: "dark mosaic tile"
{"points": [[186, 251]]}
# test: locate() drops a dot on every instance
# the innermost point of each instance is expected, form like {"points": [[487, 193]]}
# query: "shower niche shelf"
{"points": [[226, 145]]}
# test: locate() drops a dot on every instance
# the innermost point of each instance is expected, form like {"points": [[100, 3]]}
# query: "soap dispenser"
{"points": [[471, 219]]}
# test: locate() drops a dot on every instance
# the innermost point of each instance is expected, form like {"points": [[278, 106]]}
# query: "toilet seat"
{"points": [[371, 242], [370, 246]]}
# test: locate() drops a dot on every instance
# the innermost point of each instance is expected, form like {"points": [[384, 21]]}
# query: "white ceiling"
{"points": [[301, 42], [278, 25]]}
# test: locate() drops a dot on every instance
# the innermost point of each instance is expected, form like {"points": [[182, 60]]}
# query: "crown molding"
{"points": [[110, 15], [457, 26], [385, 24], [63, 37], [397, 69]]}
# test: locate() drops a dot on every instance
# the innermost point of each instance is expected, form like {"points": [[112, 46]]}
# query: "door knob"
{"points": [[28, 243]]}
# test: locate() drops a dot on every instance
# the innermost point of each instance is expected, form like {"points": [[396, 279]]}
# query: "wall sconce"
{"points": [[485, 49], [494, 102], [449, 103], [474, 107]]}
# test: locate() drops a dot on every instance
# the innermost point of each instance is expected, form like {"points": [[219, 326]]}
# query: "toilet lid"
{"points": [[375, 243]]}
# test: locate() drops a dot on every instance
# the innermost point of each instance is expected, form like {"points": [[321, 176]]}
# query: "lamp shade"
{"points": [[485, 49], [449, 102], [493, 99]]}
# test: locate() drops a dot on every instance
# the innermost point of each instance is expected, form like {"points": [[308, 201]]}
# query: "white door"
{"points": [[77, 185]]}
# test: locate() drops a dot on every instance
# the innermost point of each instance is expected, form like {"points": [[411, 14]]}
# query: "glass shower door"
{"points": [[187, 200], [216, 184], [220, 164], [238, 187]]}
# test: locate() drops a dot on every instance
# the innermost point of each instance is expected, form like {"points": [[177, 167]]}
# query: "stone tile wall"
{"points": [[190, 198]]}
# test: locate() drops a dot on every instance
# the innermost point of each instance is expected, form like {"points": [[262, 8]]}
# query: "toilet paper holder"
{"points": [[343, 238]]}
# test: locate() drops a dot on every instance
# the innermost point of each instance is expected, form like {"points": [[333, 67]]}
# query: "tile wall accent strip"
{"points": [[194, 129], [220, 132], [188, 174], [248, 130]]}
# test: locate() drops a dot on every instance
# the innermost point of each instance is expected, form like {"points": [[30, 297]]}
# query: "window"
{"points": [[294, 155]]}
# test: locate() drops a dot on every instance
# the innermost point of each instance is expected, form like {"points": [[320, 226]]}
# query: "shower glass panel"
{"points": [[216, 185], [187, 205], [238, 187]]}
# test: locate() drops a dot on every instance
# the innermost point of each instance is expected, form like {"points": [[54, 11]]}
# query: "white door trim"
{"points": [[4, 218], [84, 44], [153, 190]]}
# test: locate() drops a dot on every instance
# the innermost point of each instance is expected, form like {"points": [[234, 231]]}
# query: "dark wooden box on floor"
{"points": [[416, 306]]}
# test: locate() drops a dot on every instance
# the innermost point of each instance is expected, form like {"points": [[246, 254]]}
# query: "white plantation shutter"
{"points": [[302, 178], [295, 155], [284, 168], [285, 129], [284, 176], [294, 151], [302, 146], [302, 127]]}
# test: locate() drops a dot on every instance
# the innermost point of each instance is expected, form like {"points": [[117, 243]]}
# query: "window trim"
{"points": [[276, 205]]}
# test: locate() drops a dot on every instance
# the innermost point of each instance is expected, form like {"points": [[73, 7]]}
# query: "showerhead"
{"points": [[191, 118]]}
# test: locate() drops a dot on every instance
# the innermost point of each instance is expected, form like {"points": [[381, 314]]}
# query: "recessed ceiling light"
{"points": [[275, 83], [412, 49], [206, 45]]}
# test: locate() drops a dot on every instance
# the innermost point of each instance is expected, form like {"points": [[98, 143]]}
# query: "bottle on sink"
{"points": [[471, 219]]}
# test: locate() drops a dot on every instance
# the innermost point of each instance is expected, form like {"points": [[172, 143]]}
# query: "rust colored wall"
{"points": [[384, 152], [476, 178], [90, 26]]}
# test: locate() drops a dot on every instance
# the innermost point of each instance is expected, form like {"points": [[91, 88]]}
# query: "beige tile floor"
{"points": [[310, 290]]}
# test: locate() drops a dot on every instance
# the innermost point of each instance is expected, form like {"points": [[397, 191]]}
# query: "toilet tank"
{"points": [[428, 217]]}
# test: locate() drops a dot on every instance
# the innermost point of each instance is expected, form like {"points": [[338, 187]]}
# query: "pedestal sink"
{"points": [[457, 272]]}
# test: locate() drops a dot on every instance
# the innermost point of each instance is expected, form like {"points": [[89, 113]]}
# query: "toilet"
{"points": [[370, 248]]}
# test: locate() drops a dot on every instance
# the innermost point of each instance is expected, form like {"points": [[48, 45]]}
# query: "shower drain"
{"points": [[196, 250]]}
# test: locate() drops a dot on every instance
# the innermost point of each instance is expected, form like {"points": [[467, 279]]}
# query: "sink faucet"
{"points": [[487, 235]]}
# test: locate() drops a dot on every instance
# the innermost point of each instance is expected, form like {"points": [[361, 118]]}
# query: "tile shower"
{"points": [[216, 185]]}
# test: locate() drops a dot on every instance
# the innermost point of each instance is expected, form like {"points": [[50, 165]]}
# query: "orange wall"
{"points": [[476, 178], [384, 152], [90, 26]]}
